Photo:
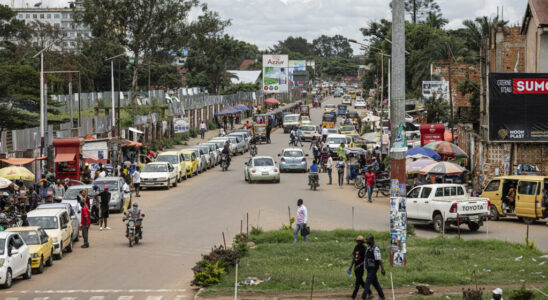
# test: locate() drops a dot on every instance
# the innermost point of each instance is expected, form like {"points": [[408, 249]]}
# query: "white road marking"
{"points": [[11, 298], [69, 298], [125, 298], [154, 298], [96, 297]]}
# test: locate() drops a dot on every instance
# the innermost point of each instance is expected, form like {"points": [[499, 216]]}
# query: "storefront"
{"points": [[68, 158]]}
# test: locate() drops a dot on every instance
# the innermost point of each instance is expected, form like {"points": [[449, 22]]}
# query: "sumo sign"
{"points": [[275, 73]]}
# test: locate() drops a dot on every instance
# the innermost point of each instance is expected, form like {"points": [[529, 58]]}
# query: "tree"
{"points": [[337, 45], [293, 44], [144, 27], [437, 111], [241, 87], [435, 20]]}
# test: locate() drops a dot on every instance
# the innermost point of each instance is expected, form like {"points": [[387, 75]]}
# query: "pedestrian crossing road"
{"points": [[107, 294]]}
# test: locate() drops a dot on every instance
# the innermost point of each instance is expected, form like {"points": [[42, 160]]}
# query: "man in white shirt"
{"points": [[324, 133], [203, 129], [126, 195], [302, 220], [329, 166], [102, 173], [137, 181]]}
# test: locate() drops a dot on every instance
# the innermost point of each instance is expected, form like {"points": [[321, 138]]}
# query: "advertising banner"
{"points": [[296, 65], [432, 133], [518, 106], [181, 125], [398, 224], [275, 73], [439, 89]]}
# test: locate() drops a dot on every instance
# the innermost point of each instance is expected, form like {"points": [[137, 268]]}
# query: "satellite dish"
{"points": [[38, 4]]}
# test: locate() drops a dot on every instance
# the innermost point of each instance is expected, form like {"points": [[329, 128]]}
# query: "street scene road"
{"points": [[186, 221]]}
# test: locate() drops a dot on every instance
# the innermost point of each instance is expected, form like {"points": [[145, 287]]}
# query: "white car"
{"points": [[56, 222], [14, 258], [161, 174], [437, 204], [333, 141], [359, 103], [213, 152]]}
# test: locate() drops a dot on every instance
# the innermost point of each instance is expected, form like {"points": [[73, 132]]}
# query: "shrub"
{"points": [[194, 132], [209, 273], [410, 229], [256, 230], [211, 125], [522, 294], [209, 270]]}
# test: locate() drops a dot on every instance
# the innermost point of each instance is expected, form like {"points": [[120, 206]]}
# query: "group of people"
{"points": [[366, 256]]}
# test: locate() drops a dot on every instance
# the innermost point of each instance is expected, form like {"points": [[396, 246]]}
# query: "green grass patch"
{"points": [[327, 255]]}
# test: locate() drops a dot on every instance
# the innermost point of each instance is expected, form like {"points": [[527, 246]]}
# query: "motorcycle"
{"points": [[253, 150], [314, 181], [134, 231], [381, 185], [224, 162]]}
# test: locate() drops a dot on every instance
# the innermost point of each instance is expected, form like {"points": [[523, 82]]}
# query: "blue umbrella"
{"points": [[423, 151], [241, 107], [227, 110]]}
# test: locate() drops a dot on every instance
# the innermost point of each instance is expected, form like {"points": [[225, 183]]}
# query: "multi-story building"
{"points": [[61, 19]]}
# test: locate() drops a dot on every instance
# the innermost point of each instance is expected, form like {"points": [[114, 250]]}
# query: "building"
{"points": [[60, 18], [535, 30]]}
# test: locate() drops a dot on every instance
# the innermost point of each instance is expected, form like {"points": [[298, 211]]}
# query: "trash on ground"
{"points": [[254, 281], [518, 258], [424, 290]]}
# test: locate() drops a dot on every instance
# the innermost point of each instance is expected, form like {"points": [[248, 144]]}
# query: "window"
{"points": [[18, 242], [263, 162], [527, 187], [439, 192], [414, 193], [49, 16], [44, 222], [426, 192], [493, 186], [41, 16], [30, 237], [43, 235], [34, 16], [27, 16], [56, 16], [460, 191], [56, 25]]}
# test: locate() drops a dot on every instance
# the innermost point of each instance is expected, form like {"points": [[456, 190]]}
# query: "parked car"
{"points": [[177, 160], [238, 142], [115, 188], [15, 257], [293, 159], [213, 151], [247, 133], [261, 168], [359, 103], [309, 131], [201, 159], [74, 220], [208, 154], [159, 174], [56, 223], [39, 243], [445, 204], [222, 141], [71, 197], [204, 155], [191, 162], [243, 136]]}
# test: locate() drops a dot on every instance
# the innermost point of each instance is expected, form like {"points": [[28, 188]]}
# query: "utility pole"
{"points": [[71, 101], [79, 98], [382, 86], [451, 95], [397, 107], [119, 96], [112, 92]]}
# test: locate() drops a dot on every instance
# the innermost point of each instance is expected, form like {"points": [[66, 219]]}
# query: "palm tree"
{"points": [[435, 20]]}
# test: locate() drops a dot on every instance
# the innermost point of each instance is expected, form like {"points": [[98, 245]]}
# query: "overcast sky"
{"points": [[264, 22]]}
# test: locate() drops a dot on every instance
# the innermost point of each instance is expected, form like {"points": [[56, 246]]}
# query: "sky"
{"points": [[264, 22]]}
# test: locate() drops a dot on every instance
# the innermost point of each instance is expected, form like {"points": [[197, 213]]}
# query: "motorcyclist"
{"points": [[226, 151], [253, 143], [374, 165], [313, 172], [136, 214]]}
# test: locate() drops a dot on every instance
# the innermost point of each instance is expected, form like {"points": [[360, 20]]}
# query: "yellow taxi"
{"points": [[347, 100], [348, 129], [330, 109], [305, 120], [40, 246], [190, 162]]}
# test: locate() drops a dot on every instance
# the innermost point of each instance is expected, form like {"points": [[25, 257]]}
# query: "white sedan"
{"points": [[359, 103], [261, 168], [158, 174]]}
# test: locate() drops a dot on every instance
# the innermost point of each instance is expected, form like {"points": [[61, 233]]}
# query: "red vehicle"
{"points": [[431, 133], [305, 110], [68, 160]]}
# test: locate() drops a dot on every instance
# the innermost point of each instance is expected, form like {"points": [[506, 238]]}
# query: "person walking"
{"points": [[329, 167], [358, 261], [300, 136], [340, 170], [372, 263], [137, 181], [302, 220], [268, 129], [126, 195], [84, 223], [202, 129], [104, 196], [370, 182]]}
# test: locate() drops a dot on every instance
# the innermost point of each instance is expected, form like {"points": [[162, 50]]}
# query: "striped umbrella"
{"points": [[447, 149], [415, 166], [443, 168], [371, 137]]}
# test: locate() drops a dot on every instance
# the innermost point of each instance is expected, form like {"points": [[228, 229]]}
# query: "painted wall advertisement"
{"points": [[296, 65], [438, 89], [275, 73], [181, 125], [398, 224]]}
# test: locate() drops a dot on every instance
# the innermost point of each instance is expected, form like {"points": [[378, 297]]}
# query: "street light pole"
{"points": [[112, 92]]}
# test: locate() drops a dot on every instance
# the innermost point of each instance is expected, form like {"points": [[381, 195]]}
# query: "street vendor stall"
{"points": [[68, 158]]}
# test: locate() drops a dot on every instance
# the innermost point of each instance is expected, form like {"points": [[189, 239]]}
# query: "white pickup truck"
{"points": [[434, 203]]}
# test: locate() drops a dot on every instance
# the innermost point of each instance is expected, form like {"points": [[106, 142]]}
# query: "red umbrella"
{"points": [[271, 101]]}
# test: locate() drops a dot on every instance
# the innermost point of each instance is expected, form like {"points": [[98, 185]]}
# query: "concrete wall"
{"points": [[531, 43], [543, 53]]}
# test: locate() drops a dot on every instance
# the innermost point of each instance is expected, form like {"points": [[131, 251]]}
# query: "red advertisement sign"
{"points": [[431, 133], [530, 85]]}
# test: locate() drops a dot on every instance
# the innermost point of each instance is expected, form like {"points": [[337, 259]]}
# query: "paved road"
{"points": [[186, 221]]}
